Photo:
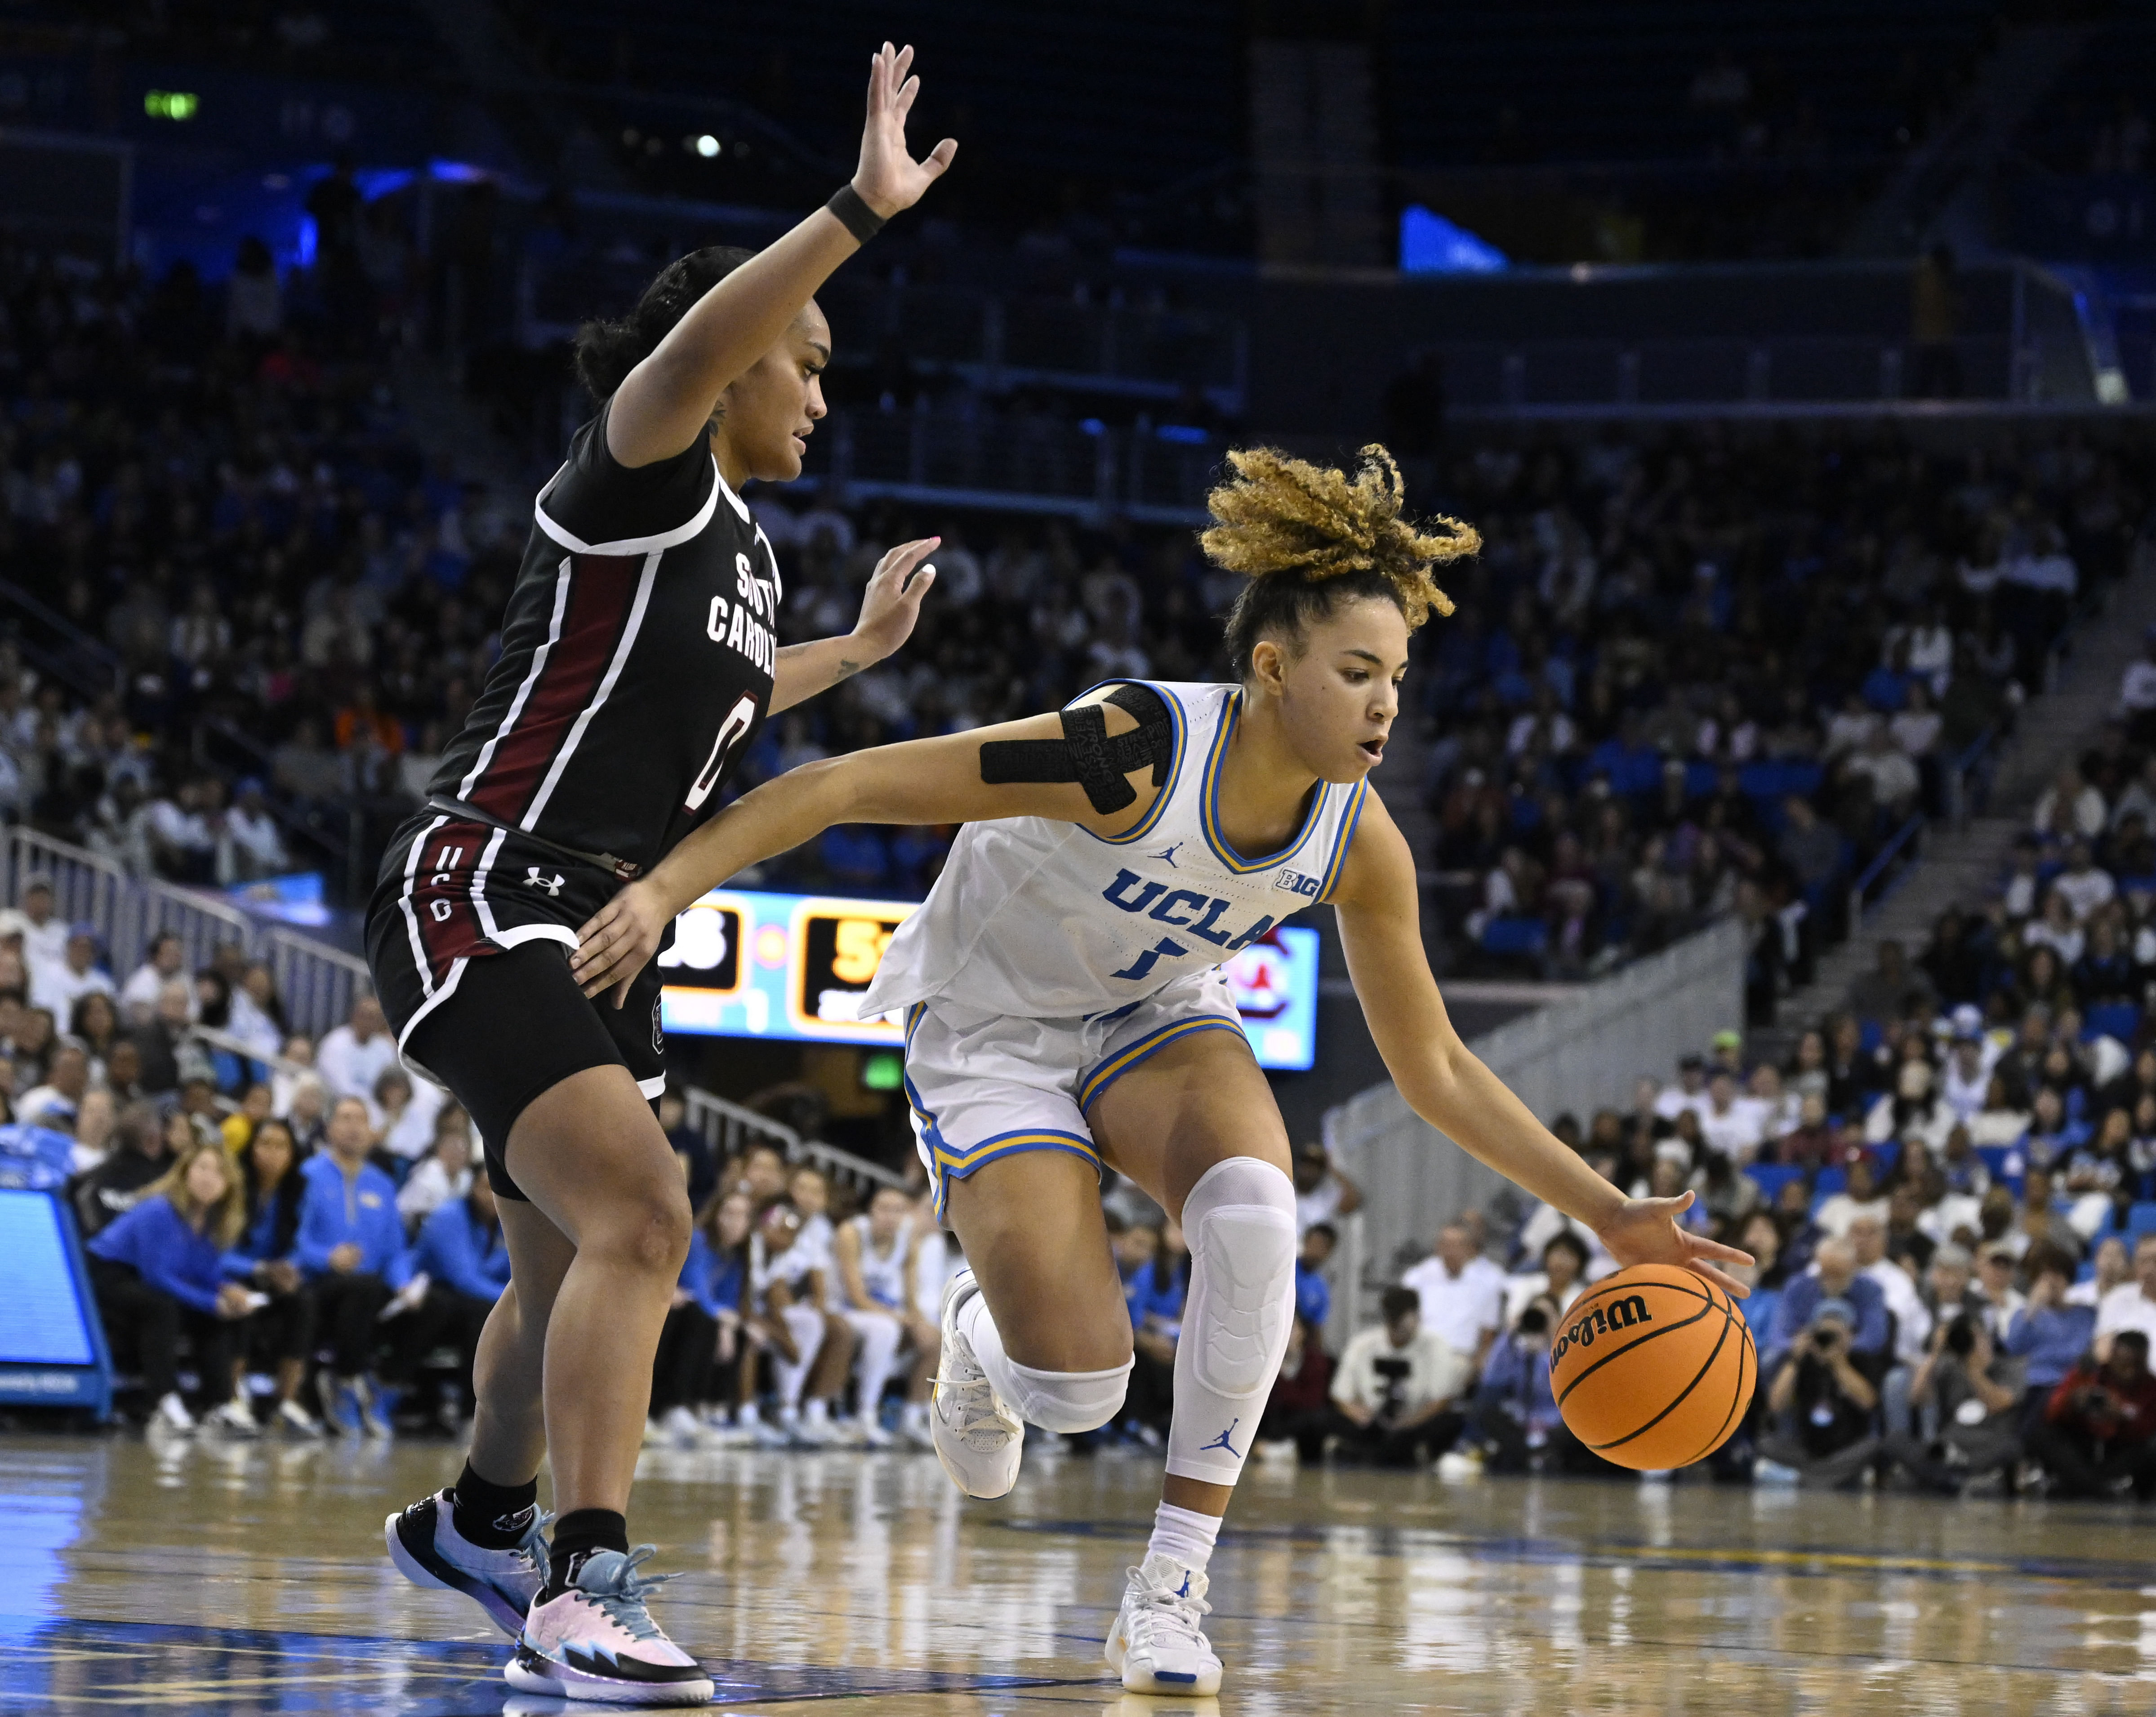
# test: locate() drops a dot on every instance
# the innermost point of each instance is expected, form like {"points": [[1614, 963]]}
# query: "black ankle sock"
{"points": [[492, 1516], [577, 1535]]}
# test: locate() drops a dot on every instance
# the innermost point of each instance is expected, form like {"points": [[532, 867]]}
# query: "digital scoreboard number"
{"points": [[706, 952], [837, 948]]}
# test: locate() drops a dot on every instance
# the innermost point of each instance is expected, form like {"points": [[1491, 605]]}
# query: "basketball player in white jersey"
{"points": [[1064, 1007], [872, 1259]]}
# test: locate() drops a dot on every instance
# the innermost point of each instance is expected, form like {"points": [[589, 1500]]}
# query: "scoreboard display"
{"points": [[750, 965]]}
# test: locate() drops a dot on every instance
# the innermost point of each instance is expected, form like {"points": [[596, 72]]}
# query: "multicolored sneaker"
{"points": [[428, 1550], [597, 1641], [1157, 1644]]}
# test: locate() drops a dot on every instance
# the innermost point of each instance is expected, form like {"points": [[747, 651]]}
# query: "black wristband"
{"points": [[855, 216]]}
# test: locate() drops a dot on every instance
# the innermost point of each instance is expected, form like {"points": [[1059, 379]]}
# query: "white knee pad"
{"points": [[1064, 1401], [1239, 1220]]}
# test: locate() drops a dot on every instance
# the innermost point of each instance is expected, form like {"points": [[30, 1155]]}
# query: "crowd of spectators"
{"points": [[1716, 673], [1954, 1290]]}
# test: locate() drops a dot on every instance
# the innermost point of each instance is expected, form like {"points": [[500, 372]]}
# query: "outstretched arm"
{"points": [[1443, 1083], [931, 780], [890, 606], [663, 405]]}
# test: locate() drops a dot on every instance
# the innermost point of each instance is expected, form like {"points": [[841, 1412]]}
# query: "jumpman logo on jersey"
{"points": [[1221, 1441], [532, 880], [1168, 856]]}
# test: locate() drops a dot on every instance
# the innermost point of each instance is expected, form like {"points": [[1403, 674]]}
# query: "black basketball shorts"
{"points": [[499, 1028]]}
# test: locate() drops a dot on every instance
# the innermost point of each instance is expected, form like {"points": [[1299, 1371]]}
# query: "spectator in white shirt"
{"points": [[138, 996], [44, 936], [1912, 1320], [1860, 1197], [1690, 1091], [1916, 729], [352, 1058], [2056, 929], [2114, 1268], [251, 846], [1996, 1262], [2131, 1305], [1895, 781], [2070, 796], [59, 986], [54, 1104], [1732, 1124], [2084, 887], [1966, 1081], [1322, 1194], [1463, 1306], [2136, 689], [1397, 1385]]}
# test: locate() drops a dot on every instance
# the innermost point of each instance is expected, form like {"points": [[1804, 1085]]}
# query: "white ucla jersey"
{"points": [[883, 1273], [1044, 920]]}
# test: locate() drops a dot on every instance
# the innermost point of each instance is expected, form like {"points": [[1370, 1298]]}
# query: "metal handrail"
{"points": [[317, 983], [731, 1127], [1907, 833]]}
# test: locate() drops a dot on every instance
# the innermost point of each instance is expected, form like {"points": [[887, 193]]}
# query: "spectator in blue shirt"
{"points": [[466, 1264], [1156, 1293], [703, 1326], [266, 1260], [351, 1250], [1834, 1277], [2048, 1335], [1313, 1294], [158, 1270]]}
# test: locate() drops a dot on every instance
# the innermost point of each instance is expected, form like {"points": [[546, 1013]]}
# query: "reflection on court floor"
{"points": [[250, 1580]]}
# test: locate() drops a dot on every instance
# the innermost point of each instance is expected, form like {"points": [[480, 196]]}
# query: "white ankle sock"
{"points": [[1184, 1535], [818, 1412]]}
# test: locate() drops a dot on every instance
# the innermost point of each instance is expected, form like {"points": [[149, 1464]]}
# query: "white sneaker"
{"points": [[978, 1439], [172, 1414], [720, 1431], [812, 1428], [297, 1420], [428, 1550], [1458, 1466], [680, 1427], [913, 1426], [874, 1436], [232, 1419], [1157, 1644], [597, 1641]]}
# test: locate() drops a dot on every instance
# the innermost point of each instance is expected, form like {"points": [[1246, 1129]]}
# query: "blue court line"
{"points": [[1811, 1562], [63, 1664]]}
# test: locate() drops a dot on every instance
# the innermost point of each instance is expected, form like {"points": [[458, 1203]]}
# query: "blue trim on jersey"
{"points": [[1348, 821], [1131, 1054], [1208, 812], [1181, 724]]}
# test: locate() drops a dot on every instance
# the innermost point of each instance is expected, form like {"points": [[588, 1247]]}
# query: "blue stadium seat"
{"points": [[1515, 935], [1770, 1177], [2111, 1019], [1829, 1181], [2141, 1218], [1885, 1155], [1995, 1157]]}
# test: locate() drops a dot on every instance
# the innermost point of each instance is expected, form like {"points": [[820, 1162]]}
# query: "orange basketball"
{"points": [[1653, 1367]]}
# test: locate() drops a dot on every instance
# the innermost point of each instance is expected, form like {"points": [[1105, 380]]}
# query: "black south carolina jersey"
{"points": [[636, 664]]}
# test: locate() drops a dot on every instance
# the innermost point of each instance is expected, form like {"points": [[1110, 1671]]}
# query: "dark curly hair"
{"points": [[607, 352], [1309, 536]]}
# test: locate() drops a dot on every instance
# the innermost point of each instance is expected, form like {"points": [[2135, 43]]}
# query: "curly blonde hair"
{"points": [[1306, 536]]}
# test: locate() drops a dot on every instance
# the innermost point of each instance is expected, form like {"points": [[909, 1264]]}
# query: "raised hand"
{"points": [[889, 179], [891, 603], [1645, 1231]]}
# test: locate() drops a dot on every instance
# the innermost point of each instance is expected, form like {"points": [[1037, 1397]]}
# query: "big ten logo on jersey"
{"points": [[839, 953], [706, 952], [745, 624], [1196, 914]]}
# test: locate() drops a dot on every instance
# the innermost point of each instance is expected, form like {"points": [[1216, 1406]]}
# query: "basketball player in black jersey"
{"points": [[639, 660]]}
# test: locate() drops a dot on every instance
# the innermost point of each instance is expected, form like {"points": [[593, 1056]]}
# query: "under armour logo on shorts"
{"points": [[532, 880]]}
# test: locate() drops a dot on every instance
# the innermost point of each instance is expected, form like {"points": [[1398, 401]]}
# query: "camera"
{"points": [[1825, 1337], [1534, 1321], [1961, 1336]]}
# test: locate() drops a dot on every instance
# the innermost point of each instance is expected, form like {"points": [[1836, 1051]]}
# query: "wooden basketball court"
{"points": [[231, 1579]]}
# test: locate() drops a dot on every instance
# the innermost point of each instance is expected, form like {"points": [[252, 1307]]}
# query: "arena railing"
{"points": [[128, 912], [318, 983], [732, 1129]]}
